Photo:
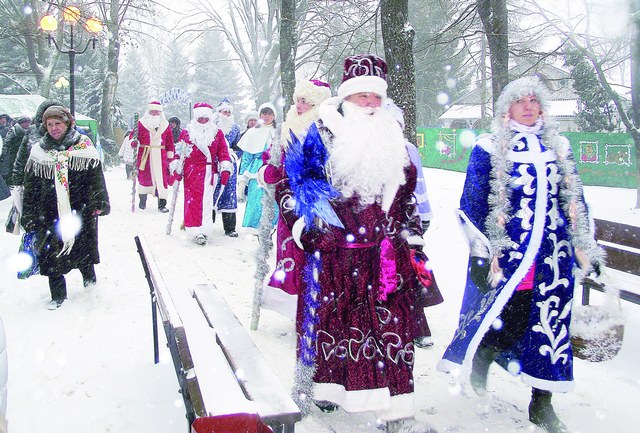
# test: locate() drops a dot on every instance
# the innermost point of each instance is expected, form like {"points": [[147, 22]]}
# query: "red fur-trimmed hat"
{"points": [[363, 73], [154, 105], [202, 109]]}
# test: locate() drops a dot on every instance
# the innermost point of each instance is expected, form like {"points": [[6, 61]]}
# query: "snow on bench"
{"points": [[220, 370], [621, 242]]}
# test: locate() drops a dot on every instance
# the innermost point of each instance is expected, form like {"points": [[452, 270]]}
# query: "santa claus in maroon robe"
{"points": [[206, 160], [155, 152]]}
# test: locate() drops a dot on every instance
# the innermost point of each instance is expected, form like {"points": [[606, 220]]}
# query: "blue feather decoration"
{"points": [[305, 165]]}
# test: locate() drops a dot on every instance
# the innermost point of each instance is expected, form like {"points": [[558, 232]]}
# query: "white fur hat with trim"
{"points": [[314, 91]]}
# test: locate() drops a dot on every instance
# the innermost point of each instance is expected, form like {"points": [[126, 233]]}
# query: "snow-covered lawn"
{"points": [[88, 367]]}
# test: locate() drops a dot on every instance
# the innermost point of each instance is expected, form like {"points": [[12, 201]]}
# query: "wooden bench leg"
{"points": [[585, 294]]}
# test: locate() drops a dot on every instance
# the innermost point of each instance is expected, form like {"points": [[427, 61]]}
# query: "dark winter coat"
{"points": [[87, 194], [10, 149]]}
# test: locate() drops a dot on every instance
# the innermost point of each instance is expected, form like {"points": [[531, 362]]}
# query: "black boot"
{"points": [[143, 201], [88, 275], [480, 368], [229, 224], [58, 288], [162, 205], [541, 412]]}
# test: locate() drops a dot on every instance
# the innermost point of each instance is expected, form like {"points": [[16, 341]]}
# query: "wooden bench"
{"points": [[220, 370], [621, 242]]}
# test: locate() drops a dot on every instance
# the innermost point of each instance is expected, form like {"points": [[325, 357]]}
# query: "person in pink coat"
{"points": [[206, 160], [155, 151]]}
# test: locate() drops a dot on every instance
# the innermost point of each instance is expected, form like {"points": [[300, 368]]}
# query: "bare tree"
{"points": [[495, 21], [288, 42], [397, 35], [604, 54]]}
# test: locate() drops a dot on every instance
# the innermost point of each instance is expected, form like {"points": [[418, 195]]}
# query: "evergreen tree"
{"points": [[439, 67], [134, 85], [215, 77], [596, 111], [174, 74]]}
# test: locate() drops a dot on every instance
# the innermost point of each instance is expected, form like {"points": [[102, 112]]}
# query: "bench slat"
{"points": [[258, 380], [622, 260], [617, 233]]}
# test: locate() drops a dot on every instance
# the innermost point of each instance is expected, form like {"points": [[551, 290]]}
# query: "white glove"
{"points": [[174, 166], [242, 184]]}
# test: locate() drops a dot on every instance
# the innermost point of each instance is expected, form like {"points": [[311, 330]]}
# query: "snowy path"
{"points": [[88, 367]]}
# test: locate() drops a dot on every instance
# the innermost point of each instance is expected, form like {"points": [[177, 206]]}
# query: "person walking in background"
{"points": [[527, 223], [5, 125], [253, 144], [349, 204], [11, 145], [206, 158], [281, 292], [155, 151], [128, 154], [64, 192], [226, 196]]}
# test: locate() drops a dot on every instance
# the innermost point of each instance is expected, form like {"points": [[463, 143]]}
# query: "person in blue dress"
{"points": [[253, 144], [523, 211], [225, 198]]}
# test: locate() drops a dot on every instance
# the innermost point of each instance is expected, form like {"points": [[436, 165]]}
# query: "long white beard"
{"points": [[369, 156], [298, 124], [152, 122], [202, 134], [225, 122]]}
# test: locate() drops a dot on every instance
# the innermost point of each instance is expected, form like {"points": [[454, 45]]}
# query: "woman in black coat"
{"points": [[64, 192]]}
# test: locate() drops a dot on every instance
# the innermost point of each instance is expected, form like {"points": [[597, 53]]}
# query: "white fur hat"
{"points": [[314, 91]]}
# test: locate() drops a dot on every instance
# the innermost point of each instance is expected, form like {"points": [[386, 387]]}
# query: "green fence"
{"points": [[602, 159]]}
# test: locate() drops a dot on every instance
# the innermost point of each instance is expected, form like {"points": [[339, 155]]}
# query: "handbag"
{"points": [[430, 292], [28, 249], [12, 225]]}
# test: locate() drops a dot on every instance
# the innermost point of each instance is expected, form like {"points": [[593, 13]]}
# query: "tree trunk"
{"points": [[287, 51], [397, 37], [635, 88], [494, 16], [110, 83]]}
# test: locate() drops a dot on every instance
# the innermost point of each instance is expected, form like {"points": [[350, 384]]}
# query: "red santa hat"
{"points": [[202, 109], [363, 73], [154, 105], [225, 105], [314, 91]]}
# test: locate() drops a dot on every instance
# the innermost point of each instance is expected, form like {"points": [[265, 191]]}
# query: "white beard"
{"points": [[225, 122], [152, 122], [298, 124], [369, 156], [202, 134]]}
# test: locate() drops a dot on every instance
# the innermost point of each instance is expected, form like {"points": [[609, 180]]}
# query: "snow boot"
{"points": [[423, 342], [143, 201], [162, 205], [229, 224], [58, 289], [409, 425], [541, 412], [480, 368]]}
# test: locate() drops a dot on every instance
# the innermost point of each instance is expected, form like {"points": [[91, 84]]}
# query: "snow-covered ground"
{"points": [[88, 367]]}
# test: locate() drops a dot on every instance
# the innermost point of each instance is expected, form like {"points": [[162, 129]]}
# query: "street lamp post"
{"points": [[71, 16]]}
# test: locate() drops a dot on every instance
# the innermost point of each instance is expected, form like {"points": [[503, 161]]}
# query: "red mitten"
{"points": [[224, 177]]}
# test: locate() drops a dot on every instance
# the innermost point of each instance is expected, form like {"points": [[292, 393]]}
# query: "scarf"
{"points": [[55, 164]]}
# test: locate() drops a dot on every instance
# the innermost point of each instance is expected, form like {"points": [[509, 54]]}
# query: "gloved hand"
{"points": [[479, 268], [425, 225], [174, 166], [595, 268]]}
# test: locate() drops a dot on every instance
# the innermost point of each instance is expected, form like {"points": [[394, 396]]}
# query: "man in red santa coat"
{"points": [[155, 152], [206, 159]]}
